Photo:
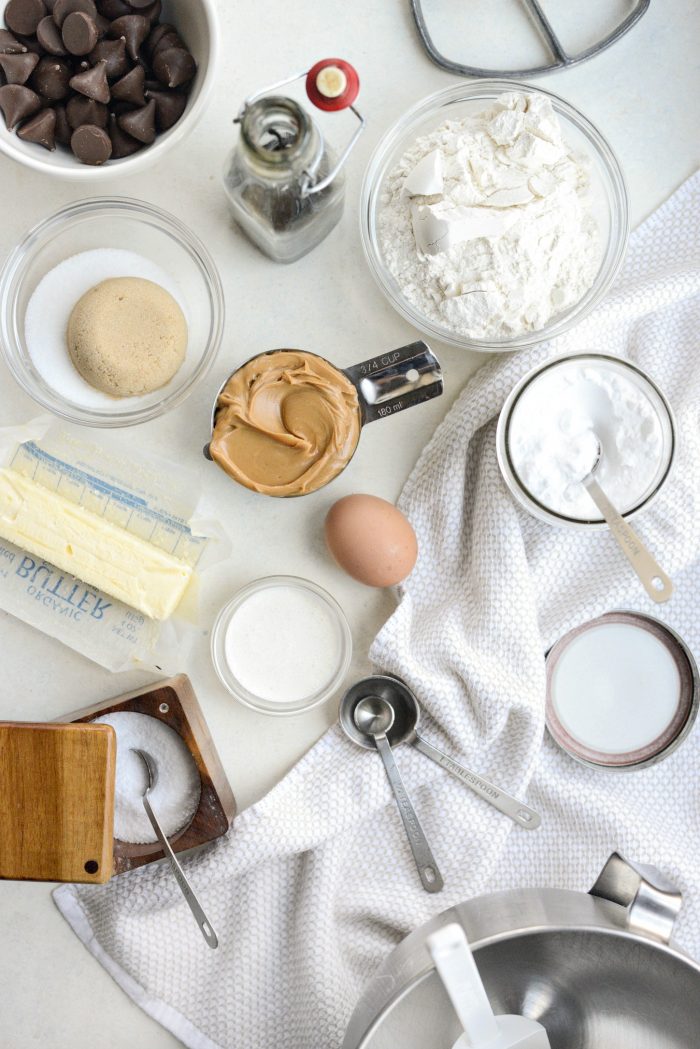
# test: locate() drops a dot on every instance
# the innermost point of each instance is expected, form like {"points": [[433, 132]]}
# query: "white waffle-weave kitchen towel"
{"points": [[315, 885]]}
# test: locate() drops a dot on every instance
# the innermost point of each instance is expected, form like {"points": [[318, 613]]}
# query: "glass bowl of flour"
{"points": [[494, 216], [552, 423], [72, 251]]}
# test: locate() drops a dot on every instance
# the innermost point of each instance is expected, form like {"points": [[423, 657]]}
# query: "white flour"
{"points": [[555, 427], [486, 222]]}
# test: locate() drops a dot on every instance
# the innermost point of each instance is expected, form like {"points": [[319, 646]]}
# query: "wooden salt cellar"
{"points": [[174, 702]]}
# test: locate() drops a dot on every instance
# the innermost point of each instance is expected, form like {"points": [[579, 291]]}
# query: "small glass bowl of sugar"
{"points": [[281, 645]]}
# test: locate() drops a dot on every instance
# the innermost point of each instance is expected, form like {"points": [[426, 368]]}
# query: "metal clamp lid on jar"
{"points": [[331, 85], [385, 384]]}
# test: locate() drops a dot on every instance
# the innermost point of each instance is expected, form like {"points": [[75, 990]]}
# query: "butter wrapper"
{"points": [[147, 496]]}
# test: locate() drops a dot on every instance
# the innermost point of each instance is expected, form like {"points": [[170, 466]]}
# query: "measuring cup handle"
{"points": [[396, 380]]}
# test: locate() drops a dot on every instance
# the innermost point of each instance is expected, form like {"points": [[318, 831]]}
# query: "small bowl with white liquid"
{"points": [[622, 691], [560, 414], [281, 645]]}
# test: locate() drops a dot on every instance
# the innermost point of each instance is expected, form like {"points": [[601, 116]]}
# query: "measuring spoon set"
{"points": [[381, 712]]}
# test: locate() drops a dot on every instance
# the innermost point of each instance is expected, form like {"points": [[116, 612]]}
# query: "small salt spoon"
{"points": [[193, 903]]}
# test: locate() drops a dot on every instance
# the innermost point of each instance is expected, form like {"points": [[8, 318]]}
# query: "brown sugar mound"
{"points": [[127, 336]]}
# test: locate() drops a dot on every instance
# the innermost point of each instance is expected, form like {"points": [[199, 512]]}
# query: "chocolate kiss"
{"points": [[23, 16], [63, 128], [170, 105], [171, 39], [40, 129], [174, 67], [49, 36], [111, 9], [79, 33], [123, 145], [130, 87], [63, 8], [9, 45], [81, 110], [50, 78], [92, 83], [18, 68], [140, 123], [153, 12], [134, 29], [156, 33], [18, 102], [91, 144], [113, 52]]}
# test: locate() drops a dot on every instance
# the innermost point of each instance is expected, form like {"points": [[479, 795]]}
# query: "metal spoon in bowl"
{"points": [[655, 581], [374, 717], [193, 903]]}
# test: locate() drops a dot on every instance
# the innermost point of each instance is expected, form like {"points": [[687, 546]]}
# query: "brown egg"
{"points": [[371, 540]]}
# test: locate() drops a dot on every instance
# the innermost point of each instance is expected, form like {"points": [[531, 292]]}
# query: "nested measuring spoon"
{"points": [[394, 693]]}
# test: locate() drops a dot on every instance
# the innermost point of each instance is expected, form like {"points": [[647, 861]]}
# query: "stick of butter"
{"points": [[107, 557]]}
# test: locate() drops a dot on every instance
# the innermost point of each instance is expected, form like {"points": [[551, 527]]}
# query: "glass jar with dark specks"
{"points": [[273, 180]]}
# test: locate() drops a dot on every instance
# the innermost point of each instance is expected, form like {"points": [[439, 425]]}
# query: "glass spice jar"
{"points": [[285, 187], [278, 158]]}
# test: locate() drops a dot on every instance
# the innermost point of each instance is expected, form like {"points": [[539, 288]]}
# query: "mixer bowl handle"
{"points": [[650, 900]]}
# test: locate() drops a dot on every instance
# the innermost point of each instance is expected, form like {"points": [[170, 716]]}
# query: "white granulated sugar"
{"points": [[554, 431], [506, 239], [50, 307], [175, 796]]}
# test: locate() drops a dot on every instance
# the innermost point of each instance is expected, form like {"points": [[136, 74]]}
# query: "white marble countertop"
{"points": [[642, 94]]}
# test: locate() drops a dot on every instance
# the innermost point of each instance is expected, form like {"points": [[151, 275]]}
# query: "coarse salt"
{"points": [[175, 796]]}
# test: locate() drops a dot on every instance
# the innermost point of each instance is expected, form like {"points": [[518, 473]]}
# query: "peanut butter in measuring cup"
{"points": [[287, 422]]}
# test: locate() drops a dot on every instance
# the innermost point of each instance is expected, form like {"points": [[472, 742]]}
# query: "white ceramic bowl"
{"points": [[197, 23]]}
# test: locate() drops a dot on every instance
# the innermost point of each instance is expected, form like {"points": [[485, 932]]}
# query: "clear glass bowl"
{"points": [[522, 493], [117, 222], [609, 194], [262, 704]]}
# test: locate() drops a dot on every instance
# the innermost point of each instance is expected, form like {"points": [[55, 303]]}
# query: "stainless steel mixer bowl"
{"points": [[597, 969]]}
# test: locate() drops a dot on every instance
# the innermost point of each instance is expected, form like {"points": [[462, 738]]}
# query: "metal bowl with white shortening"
{"points": [[597, 969]]}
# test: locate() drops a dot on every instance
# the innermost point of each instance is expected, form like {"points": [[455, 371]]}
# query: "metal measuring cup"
{"points": [[404, 729], [386, 384]]}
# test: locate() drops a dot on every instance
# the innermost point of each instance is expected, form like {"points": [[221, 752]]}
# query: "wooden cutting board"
{"points": [[56, 801]]}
